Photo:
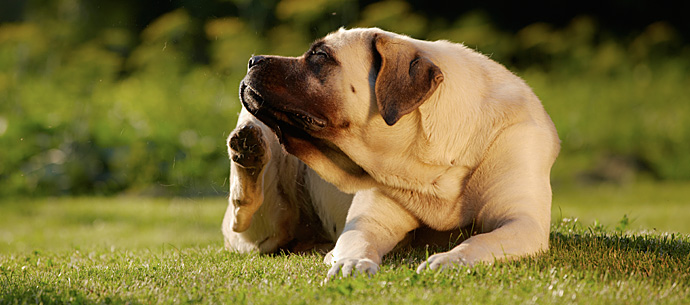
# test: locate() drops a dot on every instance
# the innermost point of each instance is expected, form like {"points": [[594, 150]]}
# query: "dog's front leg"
{"points": [[515, 193], [375, 224], [517, 238]]}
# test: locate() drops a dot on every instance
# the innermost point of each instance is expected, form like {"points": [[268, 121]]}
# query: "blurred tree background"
{"points": [[111, 96]]}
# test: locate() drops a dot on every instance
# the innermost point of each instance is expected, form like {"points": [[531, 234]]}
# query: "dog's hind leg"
{"points": [[247, 150], [249, 153], [265, 189]]}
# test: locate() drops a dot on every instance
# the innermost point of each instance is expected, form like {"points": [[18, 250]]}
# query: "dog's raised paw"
{"points": [[248, 147]]}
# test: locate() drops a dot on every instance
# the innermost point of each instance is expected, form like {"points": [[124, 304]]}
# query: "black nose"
{"points": [[255, 60]]}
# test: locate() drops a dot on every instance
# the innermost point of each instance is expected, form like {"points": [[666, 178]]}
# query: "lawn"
{"points": [[648, 206], [142, 250]]}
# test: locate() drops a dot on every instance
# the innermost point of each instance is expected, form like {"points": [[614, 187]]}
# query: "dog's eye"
{"points": [[414, 62], [319, 53]]}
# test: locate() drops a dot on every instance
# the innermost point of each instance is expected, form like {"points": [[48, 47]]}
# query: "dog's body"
{"points": [[424, 134]]}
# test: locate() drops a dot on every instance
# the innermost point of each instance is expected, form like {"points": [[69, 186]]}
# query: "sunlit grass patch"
{"points": [[583, 267], [114, 222], [142, 250], [645, 206]]}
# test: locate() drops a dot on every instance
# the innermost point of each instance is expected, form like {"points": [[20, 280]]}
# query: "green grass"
{"points": [[648, 206], [142, 251], [118, 222], [581, 268]]}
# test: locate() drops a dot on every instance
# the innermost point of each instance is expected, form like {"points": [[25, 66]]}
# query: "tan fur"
{"points": [[288, 203], [476, 151]]}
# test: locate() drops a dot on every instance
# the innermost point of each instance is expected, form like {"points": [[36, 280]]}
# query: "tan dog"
{"points": [[424, 134]]}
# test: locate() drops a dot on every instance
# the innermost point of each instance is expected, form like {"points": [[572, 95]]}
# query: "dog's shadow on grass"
{"points": [[603, 254], [618, 250], [611, 255]]}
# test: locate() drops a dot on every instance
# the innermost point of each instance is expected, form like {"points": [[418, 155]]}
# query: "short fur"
{"points": [[423, 134], [276, 201]]}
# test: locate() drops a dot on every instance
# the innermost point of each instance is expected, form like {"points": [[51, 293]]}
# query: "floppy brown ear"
{"points": [[405, 80]]}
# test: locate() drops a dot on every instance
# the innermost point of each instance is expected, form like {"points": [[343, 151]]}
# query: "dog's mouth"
{"points": [[282, 120]]}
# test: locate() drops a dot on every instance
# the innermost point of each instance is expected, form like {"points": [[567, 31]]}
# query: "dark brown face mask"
{"points": [[298, 94]]}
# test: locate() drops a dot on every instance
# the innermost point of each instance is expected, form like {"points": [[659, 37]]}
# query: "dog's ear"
{"points": [[405, 79]]}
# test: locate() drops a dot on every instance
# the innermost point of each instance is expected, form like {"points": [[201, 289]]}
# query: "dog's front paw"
{"points": [[328, 258], [353, 266], [445, 260], [248, 148]]}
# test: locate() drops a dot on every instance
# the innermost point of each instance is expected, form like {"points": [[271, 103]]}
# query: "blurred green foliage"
{"points": [[92, 102]]}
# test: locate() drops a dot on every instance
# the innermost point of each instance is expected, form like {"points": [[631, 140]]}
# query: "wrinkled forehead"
{"points": [[353, 49], [350, 41]]}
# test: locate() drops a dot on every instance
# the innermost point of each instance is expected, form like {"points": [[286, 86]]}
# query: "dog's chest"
{"points": [[437, 213]]}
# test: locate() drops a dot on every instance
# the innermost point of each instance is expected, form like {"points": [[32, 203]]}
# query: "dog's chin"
{"points": [[284, 122]]}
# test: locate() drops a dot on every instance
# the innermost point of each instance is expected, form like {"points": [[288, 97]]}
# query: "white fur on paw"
{"points": [[442, 261], [328, 259], [353, 266]]}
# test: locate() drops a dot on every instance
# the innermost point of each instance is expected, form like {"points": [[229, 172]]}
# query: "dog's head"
{"points": [[344, 101]]}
